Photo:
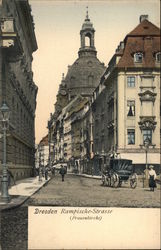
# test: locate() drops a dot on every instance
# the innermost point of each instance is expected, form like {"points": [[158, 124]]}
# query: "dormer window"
{"points": [[158, 55], [138, 57]]}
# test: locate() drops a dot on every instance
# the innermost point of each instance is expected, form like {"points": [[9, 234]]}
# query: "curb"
{"points": [[8, 207], [90, 176]]}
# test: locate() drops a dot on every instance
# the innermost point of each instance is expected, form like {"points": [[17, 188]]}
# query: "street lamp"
{"points": [[146, 145], [5, 113], [40, 178]]}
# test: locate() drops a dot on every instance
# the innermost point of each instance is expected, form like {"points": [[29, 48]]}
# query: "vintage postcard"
{"points": [[79, 124]]}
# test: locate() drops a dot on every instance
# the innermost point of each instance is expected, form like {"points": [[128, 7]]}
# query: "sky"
{"points": [[57, 28]]}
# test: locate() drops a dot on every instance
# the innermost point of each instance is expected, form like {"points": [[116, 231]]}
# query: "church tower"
{"points": [[87, 38]]}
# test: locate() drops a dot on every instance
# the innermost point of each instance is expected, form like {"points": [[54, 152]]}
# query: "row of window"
{"points": [[138, 57], [147, 135]]}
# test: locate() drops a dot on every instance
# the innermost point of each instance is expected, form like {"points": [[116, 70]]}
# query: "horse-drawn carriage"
{"points": [[119, 171]]}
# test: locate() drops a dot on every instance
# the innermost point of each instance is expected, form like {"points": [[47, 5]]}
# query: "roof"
{"points": [[144, 38], [44, 141], [145, 28], [84, 75]]}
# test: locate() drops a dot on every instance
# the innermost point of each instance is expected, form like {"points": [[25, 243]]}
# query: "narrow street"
{"points": [[74, 191], [80, 191]]}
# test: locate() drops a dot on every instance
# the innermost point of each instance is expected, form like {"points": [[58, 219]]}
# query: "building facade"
{"points": [[42, 152], [132, 99], [17, 88]]}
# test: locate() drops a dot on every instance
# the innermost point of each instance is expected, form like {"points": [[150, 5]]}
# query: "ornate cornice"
{"points": [[147, 96], [147, 122]]}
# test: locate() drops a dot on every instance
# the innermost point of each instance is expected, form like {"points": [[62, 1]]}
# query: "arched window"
{"points": [[88, 40], [138, 57], [158, 55]]}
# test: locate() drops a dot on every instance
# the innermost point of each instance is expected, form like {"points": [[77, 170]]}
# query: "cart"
{"points": [[119, 171]]}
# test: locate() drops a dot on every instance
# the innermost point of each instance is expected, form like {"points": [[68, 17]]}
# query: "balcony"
{"points": [[10, 39]]}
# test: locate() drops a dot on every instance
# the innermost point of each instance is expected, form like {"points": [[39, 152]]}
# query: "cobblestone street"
{"points": [[80, 191], [74, 191]]}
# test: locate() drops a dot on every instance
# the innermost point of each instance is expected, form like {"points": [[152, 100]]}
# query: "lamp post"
{"points": [[5, 113], [40, 178], [146, 145]]}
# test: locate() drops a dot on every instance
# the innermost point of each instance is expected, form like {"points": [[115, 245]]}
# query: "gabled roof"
{"points": [[145, 28]]}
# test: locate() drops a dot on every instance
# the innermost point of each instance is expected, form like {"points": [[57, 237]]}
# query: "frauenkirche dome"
{"points": [[85, 73]]}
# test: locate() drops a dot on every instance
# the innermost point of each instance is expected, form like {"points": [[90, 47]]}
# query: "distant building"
{"points": [[17, 89], [130, 103], [101, 133], [43, 151]]}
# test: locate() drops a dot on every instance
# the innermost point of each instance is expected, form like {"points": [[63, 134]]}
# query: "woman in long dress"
{"points": [[152, 178]]}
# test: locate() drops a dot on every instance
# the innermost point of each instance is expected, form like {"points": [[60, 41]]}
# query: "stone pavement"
{"points": [[23, 189]]}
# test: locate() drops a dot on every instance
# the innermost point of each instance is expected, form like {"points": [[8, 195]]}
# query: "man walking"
{"points": [[62, 172]]}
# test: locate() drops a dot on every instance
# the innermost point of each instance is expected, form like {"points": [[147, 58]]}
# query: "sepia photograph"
{"points": [[80, 128]]}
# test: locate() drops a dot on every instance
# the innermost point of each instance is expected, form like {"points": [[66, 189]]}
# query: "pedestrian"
{"points": [[62, 171], [43, 171], [152, 178], [53, 171], [46, 174], [10, 175]]}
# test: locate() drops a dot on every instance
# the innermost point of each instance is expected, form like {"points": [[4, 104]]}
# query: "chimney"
{"points": [[143, 17]]}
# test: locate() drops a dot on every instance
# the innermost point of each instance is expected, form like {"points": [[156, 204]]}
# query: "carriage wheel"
{"points": [[133, 183], [108, 181], [120, 183], [103, 180], [114, 180]]}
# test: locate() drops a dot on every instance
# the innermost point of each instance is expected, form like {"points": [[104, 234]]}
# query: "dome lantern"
{"points": [[87, 38]]}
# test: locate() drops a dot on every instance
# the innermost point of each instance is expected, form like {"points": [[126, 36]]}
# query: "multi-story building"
{"points": [[66, 135], [132, 99], [43, 151], [86, 127], [101, 137], [77, 132], [17, 88]]}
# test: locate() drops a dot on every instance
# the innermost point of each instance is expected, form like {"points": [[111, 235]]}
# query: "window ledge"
{"points": [[131, 117], [150, 87], [150, 146]]}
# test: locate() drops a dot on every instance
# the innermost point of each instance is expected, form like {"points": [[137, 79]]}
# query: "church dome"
{"points": [[84, 74]]}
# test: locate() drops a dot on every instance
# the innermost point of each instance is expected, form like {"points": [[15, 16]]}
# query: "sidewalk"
{"points": [[23, 189]]}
